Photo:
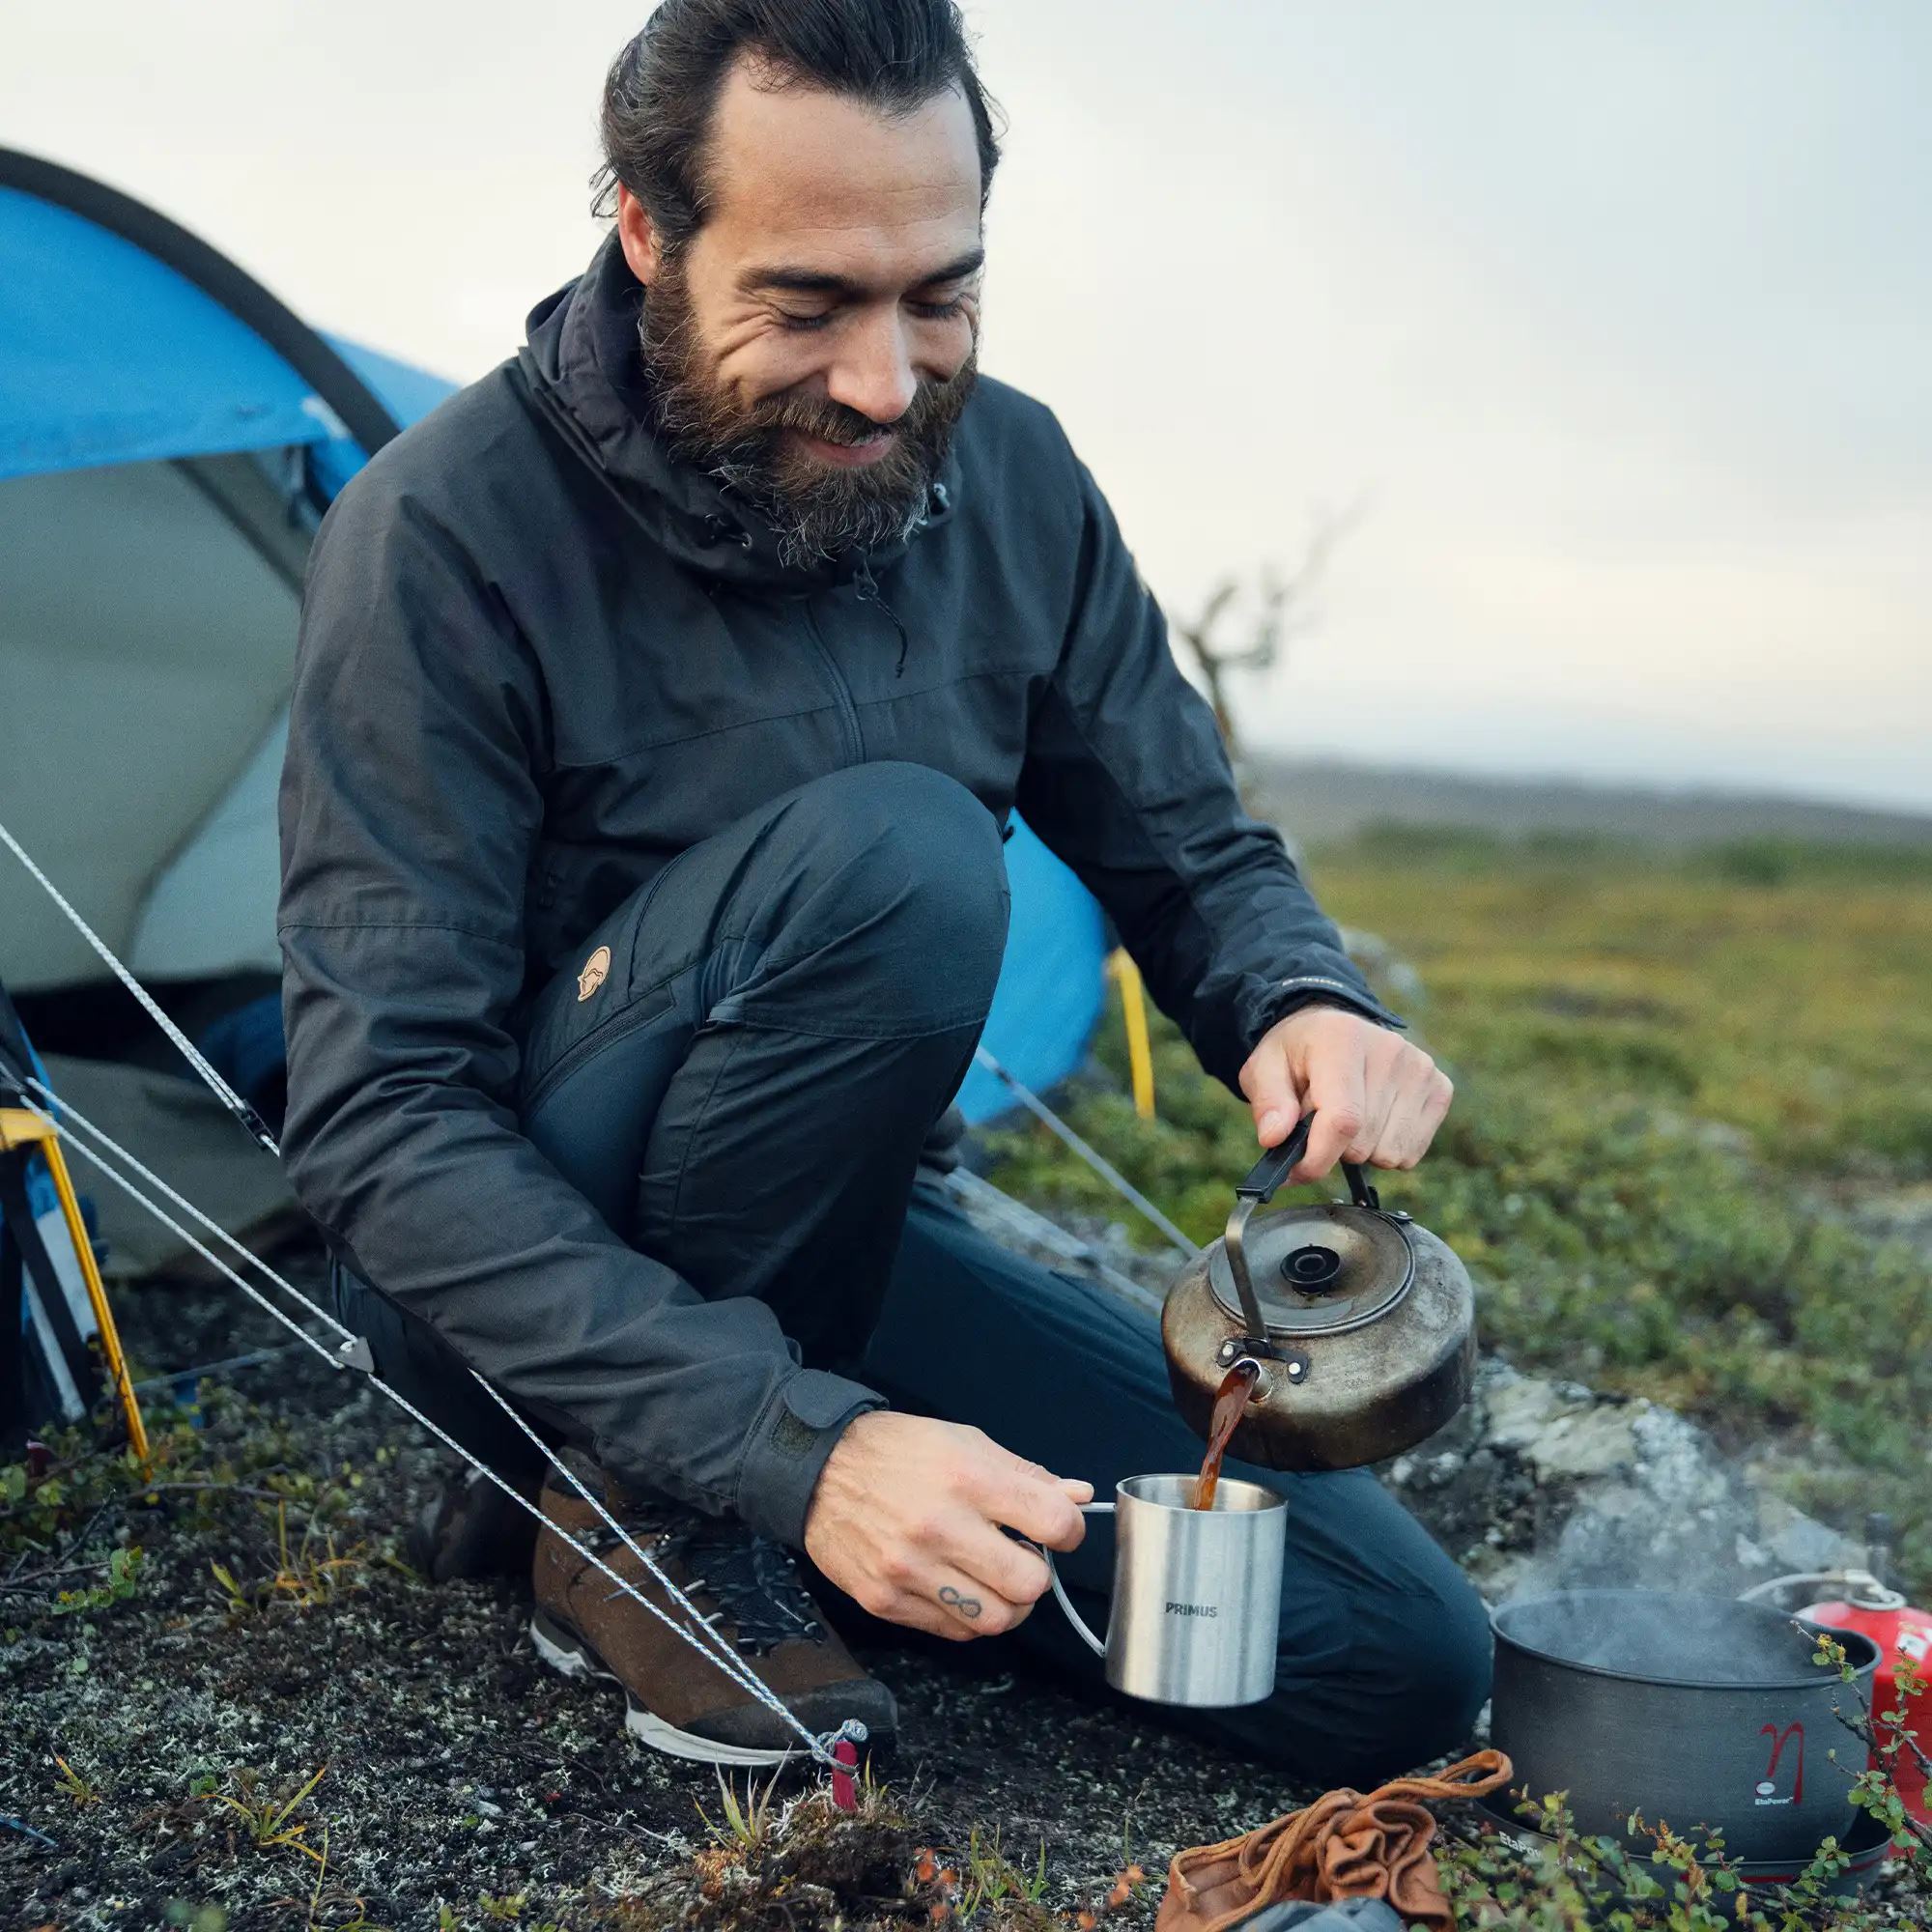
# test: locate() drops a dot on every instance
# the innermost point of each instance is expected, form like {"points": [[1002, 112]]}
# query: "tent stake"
{"points": [[18, 1128]]}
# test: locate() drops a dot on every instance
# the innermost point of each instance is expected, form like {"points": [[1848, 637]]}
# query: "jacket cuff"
{"points": [[796, 1431], [1324, 984]]}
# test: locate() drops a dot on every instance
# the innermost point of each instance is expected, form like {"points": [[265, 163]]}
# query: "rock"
{"points": [[1797, 1542], [1542, 1485], [1563, 1431]]}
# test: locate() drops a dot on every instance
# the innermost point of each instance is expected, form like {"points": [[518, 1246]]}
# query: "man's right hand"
{"points": [[906, 1518]]}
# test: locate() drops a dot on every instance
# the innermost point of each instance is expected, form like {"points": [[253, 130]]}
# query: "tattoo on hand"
{"points": [[967, 1607]]}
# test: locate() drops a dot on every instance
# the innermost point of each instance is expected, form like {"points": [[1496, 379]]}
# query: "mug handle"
{"points": [[1098, 1645]]}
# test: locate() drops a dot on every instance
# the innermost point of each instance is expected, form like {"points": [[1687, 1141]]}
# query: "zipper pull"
{"points": [[869, 593]]}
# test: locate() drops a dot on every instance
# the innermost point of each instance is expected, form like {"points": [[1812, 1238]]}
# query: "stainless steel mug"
{"points": [[1196, 1610]]}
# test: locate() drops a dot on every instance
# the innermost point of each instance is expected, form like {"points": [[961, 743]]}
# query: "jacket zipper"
{"points": [[848, 712]]}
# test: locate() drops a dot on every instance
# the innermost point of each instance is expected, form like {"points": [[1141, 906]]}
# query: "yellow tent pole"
{"points": [[17, 1126], [1133, 1009]]}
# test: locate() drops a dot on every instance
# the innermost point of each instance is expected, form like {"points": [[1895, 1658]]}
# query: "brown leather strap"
{"points": [[1346, 1844], [1476, 1777]]}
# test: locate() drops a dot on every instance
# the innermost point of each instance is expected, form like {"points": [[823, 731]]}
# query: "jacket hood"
{"points": [[580, 359]]}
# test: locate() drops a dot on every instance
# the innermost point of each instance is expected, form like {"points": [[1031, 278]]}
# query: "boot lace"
{"points": [[754, 1582]]}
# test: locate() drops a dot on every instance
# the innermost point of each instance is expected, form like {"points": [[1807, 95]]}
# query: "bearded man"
{"points": [[663, 703]]}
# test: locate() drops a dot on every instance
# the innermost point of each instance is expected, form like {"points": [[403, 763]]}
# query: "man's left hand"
{"points": [[1376, 1098]]}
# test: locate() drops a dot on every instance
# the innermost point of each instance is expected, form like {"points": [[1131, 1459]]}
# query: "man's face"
{"points": [[813, 343]]}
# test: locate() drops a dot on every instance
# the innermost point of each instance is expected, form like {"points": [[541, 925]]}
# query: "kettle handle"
{"points": [[1267, 1174], [1271, 1170]]}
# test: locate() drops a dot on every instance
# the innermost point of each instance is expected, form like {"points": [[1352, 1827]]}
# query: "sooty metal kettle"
{"points": [[1359, 1324]]}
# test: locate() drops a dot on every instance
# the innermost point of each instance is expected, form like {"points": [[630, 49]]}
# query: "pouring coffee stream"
{"points": [[1237, 1386]]}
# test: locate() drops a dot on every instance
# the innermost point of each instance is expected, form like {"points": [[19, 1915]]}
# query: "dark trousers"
{"points": [[801, 995]]}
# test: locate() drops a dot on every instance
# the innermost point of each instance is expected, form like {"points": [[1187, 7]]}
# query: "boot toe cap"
{"points": [[822, 1710]]}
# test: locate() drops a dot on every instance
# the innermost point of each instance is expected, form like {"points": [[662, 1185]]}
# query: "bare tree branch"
{"points": [[1285, 608]]}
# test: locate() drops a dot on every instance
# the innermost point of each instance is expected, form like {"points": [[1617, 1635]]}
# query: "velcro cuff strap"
{"points": [[793, 1436]]}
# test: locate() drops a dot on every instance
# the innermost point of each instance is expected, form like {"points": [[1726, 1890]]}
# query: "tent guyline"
{"points": [[1090, 1154], [352, 1350], [257, 1127], [711, 1645]]}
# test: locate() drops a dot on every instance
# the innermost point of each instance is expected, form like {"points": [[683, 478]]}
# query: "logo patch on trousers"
{"points": [[596, 970]]}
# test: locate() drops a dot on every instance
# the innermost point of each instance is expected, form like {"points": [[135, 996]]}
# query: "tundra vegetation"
{"points": [[1690, 1158]]}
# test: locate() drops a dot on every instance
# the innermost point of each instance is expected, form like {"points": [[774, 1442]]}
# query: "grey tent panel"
{"points": [[213, 909], [145, 658]]}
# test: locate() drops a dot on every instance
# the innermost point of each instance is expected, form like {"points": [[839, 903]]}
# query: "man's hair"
{"points": [[895, 55]]}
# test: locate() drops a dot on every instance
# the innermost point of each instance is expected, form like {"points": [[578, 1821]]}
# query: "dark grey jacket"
{"points": [[538, 660]]}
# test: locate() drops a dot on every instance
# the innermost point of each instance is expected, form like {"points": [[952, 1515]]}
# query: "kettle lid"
{"points": [[1317, 1269], [1309, 1271]]}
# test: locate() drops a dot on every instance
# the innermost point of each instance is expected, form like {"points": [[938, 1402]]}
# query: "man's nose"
{"points": [[874, 374]]}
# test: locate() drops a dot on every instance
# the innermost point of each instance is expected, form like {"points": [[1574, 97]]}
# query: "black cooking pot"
{"points": [[1694, 1711]]}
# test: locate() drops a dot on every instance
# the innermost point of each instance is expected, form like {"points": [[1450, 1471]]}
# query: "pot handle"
{"points": [[1098, 1645], [1266, 1174]]}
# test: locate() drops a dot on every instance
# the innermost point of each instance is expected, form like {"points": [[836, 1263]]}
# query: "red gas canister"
{"points": [[1904, 1636]]}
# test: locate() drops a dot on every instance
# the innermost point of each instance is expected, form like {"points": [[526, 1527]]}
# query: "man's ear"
{"points": [[637, 236]]}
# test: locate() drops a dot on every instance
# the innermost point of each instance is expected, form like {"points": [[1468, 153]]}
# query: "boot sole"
{"points": [[567, 1653]]}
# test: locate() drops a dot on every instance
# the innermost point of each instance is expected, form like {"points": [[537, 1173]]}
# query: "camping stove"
{"points": [[1860, 1601]]}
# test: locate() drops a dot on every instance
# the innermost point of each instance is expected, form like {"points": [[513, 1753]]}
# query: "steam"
{"points": [[1666, 1636]]}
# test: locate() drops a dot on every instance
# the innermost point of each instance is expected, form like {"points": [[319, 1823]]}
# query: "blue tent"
{"points": [[170, 433]]}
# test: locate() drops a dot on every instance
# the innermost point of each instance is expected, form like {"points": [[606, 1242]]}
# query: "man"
{"points": [[663, 701]]}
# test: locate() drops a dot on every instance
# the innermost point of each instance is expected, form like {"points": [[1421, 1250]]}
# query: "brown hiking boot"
{"points": [[747, 1589], [470, 1529]]}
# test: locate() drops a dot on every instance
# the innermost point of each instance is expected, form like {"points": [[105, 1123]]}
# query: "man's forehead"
{"points": [[808, 178]]}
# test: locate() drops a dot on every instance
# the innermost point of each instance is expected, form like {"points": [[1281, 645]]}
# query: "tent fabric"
{"points": [[108, 356], [211, 910], [1051, 986], [124, 338], [47, 1373], [409, 394], [145, 657]]}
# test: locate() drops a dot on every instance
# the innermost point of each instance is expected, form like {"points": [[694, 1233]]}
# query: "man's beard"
{"points": [[817, 510]]}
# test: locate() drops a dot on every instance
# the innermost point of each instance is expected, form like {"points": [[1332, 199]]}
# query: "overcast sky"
{"points": [[1613, 318]]}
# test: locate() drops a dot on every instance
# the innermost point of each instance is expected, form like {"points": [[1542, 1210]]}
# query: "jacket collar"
{"points": [[581, 360]]}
